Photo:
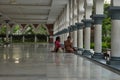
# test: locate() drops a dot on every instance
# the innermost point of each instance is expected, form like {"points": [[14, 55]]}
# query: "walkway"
{"points": [[35, 62]]}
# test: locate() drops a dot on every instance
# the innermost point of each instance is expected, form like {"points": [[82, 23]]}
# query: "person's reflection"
{"points": [[57, 59]]}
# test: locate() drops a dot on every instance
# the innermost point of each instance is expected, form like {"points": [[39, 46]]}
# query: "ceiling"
{"points": [[31, 11]]}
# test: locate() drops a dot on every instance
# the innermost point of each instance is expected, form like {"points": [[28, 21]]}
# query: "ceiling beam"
{"points": [[27, 19], [28, 5], [30, 22], [26, 14], [23, 4]]}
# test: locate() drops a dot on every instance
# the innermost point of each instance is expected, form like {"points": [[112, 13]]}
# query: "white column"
{"points": [[87, 38], [80, 38], [74, 21], [55, 31], [48, 39], [23, 38], [99, 6], [88, 12], [11, 38], [7, 29], [67, 19], [115, 32], [98, 38], [115, 38], [71, 16], [35, 38], [62, 38], [75, 39], [80, 31]]}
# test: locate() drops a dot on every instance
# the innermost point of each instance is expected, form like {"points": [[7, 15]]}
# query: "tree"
{"points": [[106, 26], [29, 30]]}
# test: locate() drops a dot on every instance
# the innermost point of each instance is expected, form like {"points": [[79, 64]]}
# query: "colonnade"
{"points": [[9, 31], [79, 16]]}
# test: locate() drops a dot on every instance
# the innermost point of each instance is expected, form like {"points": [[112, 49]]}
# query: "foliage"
{"points": [[42, 30], [29, 30], [3, 30], [104, 45], [106, 26], [16, 29], [92, 45]]}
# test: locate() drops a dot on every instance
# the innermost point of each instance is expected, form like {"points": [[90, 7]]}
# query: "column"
{"points": [[80, 36], [23, 38], [11, 38], [7, 29], [80, 24], [73, 23], [48, 39], [67, 19], [115, 32], [98, 17], [87, 23], [35, 38], [71, 16], [55, 31]]}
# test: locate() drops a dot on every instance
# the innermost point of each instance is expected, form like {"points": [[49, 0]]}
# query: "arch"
{"points": [[44, 27], [18, 29], [3, 29], [29, 29]]}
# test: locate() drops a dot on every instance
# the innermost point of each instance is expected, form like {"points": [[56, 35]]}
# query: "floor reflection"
{"points": [[36, 62]]}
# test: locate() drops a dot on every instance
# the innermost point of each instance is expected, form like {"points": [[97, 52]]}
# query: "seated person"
{"points": [[68, 45], [57, 44]]}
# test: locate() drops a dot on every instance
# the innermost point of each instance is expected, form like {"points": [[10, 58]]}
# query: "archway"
{"points": [[29, 33], [4, 33], [42, 33], [16, 33]]}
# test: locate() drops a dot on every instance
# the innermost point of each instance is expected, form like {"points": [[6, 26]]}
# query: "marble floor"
{"points": [[36, 62]]}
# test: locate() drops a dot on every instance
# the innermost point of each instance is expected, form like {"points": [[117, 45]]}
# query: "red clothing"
{"points": [[57, 44]]}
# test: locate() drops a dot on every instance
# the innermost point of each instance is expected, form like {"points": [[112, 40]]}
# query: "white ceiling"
{"points": [[31, 11]]}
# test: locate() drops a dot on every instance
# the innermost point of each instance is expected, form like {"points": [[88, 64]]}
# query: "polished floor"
{"points": [[36, 62]]}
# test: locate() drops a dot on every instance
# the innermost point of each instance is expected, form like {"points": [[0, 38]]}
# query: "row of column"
{"points": [[81, 14], [23, 39]]}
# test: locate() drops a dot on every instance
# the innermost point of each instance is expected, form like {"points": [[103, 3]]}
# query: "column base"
{"points": [[79, 50], [86, 52], [97, 56], [113, 61]]}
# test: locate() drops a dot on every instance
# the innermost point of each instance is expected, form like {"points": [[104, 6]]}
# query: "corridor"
{"points": [[36, 62]]}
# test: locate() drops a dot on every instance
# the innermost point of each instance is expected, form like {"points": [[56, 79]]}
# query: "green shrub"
{"points": [[104, 45], [92, 45]]}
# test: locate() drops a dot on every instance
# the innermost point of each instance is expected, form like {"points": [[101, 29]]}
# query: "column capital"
{"points": [[65, 30], [114, 12], [79, 25], [69, 28], [87, 22], [89, 3], [98, 18], [74, 27]]}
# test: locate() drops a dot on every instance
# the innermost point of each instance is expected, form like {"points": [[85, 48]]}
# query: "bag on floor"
{"points": [[60, 50]]}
